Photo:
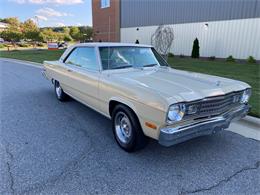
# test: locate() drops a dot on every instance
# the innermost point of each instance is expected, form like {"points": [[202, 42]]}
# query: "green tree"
{"points": [[31, 31], [13, 22], [86, 33], [66, 30], [60, 36], [66, 34], [67, 38], [11, 35], [75, 33], [196, 49], [47, 35]]}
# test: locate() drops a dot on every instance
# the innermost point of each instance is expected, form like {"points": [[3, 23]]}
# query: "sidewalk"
{"points": [[248, 127]]}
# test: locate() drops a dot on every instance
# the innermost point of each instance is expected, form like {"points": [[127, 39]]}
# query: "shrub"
{"points": [[212, 58], [171, 55], [23, 44], [195, 49], [230, 59], [182, 56], [251, 60], [67, 38], [40, 44], [2, 46]]}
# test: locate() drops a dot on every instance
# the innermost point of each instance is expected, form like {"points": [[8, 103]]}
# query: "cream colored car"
{"points": [[144, 97]]}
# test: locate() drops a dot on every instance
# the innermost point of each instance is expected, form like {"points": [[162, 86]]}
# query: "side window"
{"points": [[105, 3], [72, 59], [84, 57]]}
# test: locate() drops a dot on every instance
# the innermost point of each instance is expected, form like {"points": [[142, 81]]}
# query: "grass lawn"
{"points": [[249, 73], [32, 55]]}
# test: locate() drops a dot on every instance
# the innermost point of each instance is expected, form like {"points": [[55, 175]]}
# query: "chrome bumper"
{"points": [[173, 135]]}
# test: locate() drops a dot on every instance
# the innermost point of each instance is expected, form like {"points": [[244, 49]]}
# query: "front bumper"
{"points": [[173, 135]]}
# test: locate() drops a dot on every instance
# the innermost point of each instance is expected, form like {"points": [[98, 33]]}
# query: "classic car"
{"points": [[134, 86]]}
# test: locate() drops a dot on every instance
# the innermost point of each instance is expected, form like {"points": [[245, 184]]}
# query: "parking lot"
{"points": [[51, 147]]}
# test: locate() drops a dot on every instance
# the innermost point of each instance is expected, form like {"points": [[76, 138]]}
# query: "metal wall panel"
{"points": [[240, 38], [156, 12]]}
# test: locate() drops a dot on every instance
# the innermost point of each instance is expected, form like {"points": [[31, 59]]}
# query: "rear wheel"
{"points": [[60, 94], [127, 129]]}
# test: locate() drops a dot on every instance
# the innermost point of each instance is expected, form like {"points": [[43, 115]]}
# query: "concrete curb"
{"points": [[251, 121], [248, 127], [24, 62]]}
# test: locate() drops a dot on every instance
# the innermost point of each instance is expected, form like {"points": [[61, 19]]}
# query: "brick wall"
{"points": [[106, 21]]}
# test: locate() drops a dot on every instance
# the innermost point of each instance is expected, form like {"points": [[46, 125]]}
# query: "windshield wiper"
{"points": [[121, 67], [150, 65]]}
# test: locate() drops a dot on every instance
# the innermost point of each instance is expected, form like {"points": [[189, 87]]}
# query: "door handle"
{"points": [[69, 70]]}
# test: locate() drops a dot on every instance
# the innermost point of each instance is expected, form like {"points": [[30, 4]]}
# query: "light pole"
{"points": [[37, 20]]}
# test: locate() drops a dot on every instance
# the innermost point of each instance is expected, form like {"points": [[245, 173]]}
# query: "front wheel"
{"points": [[127, 129], [60, 94]]}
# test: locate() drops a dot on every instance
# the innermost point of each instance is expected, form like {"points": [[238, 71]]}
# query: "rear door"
{"points": [[83, 76]]}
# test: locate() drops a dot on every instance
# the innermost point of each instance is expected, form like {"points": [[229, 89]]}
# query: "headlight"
{"points": [[176, 112], [246, 95]]}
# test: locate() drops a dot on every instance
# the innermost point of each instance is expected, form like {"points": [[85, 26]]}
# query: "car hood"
{"points": [[178, 86]]}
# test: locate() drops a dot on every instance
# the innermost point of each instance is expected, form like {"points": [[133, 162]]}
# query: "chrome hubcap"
{"points": [[123, 127], [58, 90]]}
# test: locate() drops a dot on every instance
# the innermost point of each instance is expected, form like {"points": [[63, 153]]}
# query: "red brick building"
{"points": [[106, 20]]}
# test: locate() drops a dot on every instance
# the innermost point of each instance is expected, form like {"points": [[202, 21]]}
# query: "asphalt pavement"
{"points": [[50, 147]]}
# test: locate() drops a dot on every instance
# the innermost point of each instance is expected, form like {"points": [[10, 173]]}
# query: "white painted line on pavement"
{"points": [[26, 63]]}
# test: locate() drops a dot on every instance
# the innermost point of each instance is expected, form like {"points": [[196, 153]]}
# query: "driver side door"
{"points": [[83, 76]]}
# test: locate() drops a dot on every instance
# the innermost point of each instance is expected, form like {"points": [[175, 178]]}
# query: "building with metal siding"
{"points": [[149, 13], [223, 27]]}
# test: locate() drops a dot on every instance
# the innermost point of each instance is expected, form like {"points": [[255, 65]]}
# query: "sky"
{"points": [[49, 13]]}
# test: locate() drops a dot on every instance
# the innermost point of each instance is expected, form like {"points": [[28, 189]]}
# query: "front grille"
{"points": [[214, 106]]}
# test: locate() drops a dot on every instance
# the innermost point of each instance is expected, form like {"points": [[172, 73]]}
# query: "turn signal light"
{"points": [[151, 125]]}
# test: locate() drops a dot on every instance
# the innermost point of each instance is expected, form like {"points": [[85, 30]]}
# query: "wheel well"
{"points": [[114, 103]]}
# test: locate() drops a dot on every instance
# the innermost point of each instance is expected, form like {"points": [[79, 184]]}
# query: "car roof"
{"points": [[110, 44], [100, 44]]}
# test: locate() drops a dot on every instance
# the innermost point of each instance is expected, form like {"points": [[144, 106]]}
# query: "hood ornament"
{"points": [[218, 83]]}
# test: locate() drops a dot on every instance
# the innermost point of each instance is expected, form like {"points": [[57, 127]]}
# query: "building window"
{"points": [[105, 3]]}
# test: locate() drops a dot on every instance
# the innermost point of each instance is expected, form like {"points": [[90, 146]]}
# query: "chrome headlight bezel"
{"points": [[245, 96], [176, 113]]}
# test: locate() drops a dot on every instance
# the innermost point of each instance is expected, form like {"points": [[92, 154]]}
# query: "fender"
{"points": [[124, 101]]}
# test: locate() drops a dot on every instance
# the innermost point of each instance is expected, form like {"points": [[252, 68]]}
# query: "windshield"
{"points": [[128, 57]]}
